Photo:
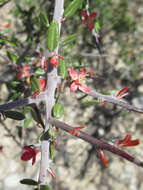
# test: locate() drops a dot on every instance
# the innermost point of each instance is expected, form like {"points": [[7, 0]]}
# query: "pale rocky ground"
{"points": [[72, 153]]}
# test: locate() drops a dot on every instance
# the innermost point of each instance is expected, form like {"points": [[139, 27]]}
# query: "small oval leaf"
{"points": [[44, 187], [12, 56], [14, 115], [28, 182], [52, 151], [63, 68], [90, 102], [39, 71], [58, 111], [35, 86], [72, 8], [69, 39], [53, 35], [27, 122], [43, 18]]}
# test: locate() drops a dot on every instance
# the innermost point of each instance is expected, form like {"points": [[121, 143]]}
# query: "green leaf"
{"points": [[40, 137], [14, 115], [90, 102], [34, 83], [69, 39], [15, 95], [63, 68], [97, 27], [44, 187], [53, 35], [58, 111], [14, 83], [11, 56], [28, 182], [72, 8], [34, 116], [52, 151], [27, 109], [27, 122], [124, 113], [39, 71], [2, 1], [43, 18]]}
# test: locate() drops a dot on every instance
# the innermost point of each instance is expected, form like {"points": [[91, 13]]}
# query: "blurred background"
{"points": [[77, 165]]}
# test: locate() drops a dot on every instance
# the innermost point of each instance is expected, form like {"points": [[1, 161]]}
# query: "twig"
{"points": [[10, 134], [99, 144], [96, 55], [115, 100], [1, 5]]}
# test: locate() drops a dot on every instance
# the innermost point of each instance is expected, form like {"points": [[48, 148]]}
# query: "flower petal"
{"points": [[91, 24], [73, 87], [28, 148], [122, 90], [84, 13], [84, 88], [93, 15], [73, 74], [34, 159], [83, 73], [103, 158], [26, 156]]}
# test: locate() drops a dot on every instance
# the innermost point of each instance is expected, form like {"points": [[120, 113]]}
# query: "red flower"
{"points": [[121, 94], [73, 132], [23, 71], [88, 19], [4, 26], [54, 61], [78, 81], [42, 84], [51, 173], [127, 141], [103, 158], [124, 143], [44, 63], [30, 154]]}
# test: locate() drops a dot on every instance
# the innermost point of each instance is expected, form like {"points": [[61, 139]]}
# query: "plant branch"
{"points": [[99, 144], [115, 100], [10, 134], [52, 80]]}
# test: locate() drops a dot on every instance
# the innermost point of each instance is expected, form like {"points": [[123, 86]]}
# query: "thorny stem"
{"points": [[106, 98], [99, 144], [115, 100], [52, 80]]}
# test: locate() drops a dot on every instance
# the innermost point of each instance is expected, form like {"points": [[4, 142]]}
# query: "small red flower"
{"points": [[4, 26], [78, 81], [42, 84], [23, 71], [103, 158], [51, 173], [75, 133], [88, 19], [31, 153], [121, 94], [54, 61], [127, 141], [44, 63]]}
